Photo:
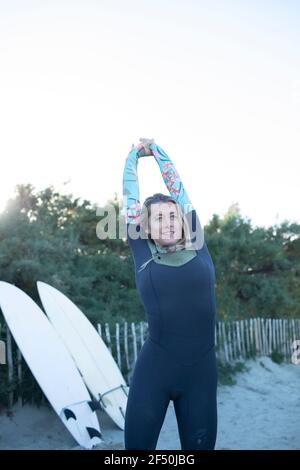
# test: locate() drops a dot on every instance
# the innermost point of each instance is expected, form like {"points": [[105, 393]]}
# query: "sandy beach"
{"points": [[261, 411]]}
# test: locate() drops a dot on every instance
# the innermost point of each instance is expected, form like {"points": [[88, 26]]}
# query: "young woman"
{"points": [[175, 279]]}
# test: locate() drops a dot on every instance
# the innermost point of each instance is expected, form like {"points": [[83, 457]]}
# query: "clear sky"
{"points": [[216, 83]]}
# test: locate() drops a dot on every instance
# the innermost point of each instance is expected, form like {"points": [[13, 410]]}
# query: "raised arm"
{"points": [[131, 195], [179, 194], [131, 192], [171, 178]]}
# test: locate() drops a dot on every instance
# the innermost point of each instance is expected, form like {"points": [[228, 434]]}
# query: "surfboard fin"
{"points": [[69, 414], [94, 405], [94, 433]]}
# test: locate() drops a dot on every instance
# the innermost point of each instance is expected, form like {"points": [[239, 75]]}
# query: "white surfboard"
{"points": [[94, 360], [51, 364]]}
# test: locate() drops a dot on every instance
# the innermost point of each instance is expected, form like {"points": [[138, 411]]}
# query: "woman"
{"points": [[175, 279]]}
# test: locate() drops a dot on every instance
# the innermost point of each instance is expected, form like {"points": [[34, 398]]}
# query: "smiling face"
{"points": [[165, 223]]}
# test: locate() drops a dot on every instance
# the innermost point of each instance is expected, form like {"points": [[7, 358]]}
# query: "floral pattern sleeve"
{"points": [[171, 178], [179, 194]]}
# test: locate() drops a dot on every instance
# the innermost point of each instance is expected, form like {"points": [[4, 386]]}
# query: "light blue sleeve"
{"points": [[132, 208], [179, 194], [171, 178], [131, 192]]}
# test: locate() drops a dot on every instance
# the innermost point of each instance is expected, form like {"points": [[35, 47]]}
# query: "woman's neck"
{"points": [[166, 248]]}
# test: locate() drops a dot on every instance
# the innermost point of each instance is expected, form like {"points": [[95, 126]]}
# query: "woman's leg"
{"points": [[147, 401], [196, 406]]}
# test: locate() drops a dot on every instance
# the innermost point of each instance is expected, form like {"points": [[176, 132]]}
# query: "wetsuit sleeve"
{"points": [[171, 178], [132, 208], [177, 191], [131, 192]]}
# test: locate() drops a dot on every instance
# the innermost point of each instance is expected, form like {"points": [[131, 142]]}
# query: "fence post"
{"points": [[225, 342], [297, 328], [142, 337], [256, 336], [264, 336], [134, 341], [221, 341], [216, 341], [251, 335], [2, 352], [238, 337], [118, 344], [274, 334], [289, 338], [10, 367], [281, 335], [19, 359], [260, 336], [126, 344], [242, 338], [270, 336], [232, 341], [247, 331], [107, 332], [284, 338], [293, 333]]}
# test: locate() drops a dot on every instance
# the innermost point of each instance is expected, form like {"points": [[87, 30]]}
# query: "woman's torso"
{"points": [[179, 301]]}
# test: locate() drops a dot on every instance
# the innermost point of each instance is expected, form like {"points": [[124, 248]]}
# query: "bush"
{"points": [[277, 356], [227, 371]]}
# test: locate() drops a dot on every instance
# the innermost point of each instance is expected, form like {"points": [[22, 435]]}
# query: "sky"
{"points": [[215, 83]]}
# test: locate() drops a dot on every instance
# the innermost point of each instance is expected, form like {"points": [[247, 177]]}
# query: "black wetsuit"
{"points": [[177, 361]]}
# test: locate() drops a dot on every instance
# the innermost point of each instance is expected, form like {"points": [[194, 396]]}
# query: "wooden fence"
{"points": [[234, 340]]}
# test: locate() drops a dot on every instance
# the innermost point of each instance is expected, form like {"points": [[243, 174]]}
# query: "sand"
{"points": [[261, 411]]}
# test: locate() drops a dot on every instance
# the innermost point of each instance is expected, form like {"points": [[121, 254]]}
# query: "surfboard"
{"points": [[51, 364], [94, 360]]}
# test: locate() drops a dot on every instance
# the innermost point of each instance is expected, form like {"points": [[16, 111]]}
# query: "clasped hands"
{"points": [[143, 147]]}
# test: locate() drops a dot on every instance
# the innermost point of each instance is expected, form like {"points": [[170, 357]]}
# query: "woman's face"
{"points": [[165, 223]]}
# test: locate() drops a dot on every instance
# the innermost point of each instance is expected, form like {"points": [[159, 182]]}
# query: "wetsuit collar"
{"points": [[161, 255]]}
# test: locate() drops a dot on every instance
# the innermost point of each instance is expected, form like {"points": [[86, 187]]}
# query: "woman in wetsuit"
{"points": [[175, 279]]}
